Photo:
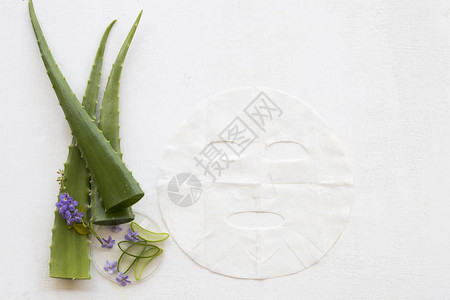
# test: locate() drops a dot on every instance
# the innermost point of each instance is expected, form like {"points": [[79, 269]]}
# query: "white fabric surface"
{"points": [[377, 71]]}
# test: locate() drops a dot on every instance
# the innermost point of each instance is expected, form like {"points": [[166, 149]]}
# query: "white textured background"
{"points": [[378, 71]]}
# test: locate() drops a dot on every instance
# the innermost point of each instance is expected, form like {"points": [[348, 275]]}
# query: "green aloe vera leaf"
{"points": [[142, 262], [148, 235], [98, 214], [100, 217], [126, 261], [109, 125], [114, 180], [91, 93], [93, 85], [135, 248], [70, 250], [109, 111]]}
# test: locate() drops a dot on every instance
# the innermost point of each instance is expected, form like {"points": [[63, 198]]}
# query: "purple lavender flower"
{"points": [[76, 216], [132, 236], [122, 279], [109, 243], [62, 210], [66, 215], [61, 205], [116, 228], [65, 197], [111, 267], [72, 205], [67, 209]]}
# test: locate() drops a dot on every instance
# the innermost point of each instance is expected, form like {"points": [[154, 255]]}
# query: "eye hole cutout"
{"points": [[256, 220], [286, 151]]}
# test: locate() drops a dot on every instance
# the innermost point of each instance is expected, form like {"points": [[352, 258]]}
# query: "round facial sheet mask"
{"points": [[254, 185]]}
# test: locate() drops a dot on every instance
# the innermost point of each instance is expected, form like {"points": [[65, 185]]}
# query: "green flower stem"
{"points": [[115, 182]]}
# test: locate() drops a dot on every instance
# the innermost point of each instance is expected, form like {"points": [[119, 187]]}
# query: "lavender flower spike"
{"points": [[67, 209], [132, 236], [109, 243], [122, 279], [111, 267]]}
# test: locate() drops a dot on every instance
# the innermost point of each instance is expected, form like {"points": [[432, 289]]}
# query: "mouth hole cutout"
{"points": [[256, 220], [285, 151]]}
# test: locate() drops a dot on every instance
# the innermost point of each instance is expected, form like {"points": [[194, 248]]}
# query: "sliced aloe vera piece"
{"points": [[130, 255], [142, 263], [148, 235], [125, 262], [136, 249]]}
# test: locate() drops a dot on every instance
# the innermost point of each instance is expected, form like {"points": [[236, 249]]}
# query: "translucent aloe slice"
{"points": [[136, 249], [127, 261], [142, 263], [147, 235]]}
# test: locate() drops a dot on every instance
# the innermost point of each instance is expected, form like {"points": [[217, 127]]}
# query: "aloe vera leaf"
{"points": [[69, 251], [100, 217], [93, 85], [142, 262], [109, 111], [91, 93], [134, 248], [90, 101], [148, 235], [70, 254], [114, 180], [109, 124]]}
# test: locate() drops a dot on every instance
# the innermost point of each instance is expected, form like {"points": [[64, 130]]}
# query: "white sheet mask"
{"points": [[254, 185]]}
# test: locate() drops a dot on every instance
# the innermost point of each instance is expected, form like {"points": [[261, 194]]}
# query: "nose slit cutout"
{"points": [[256, 220]]}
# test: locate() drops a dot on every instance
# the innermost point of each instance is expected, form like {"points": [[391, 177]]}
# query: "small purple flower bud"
{"points": [[122, 279], [108, 243], [131, 236], [111, 267]]}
